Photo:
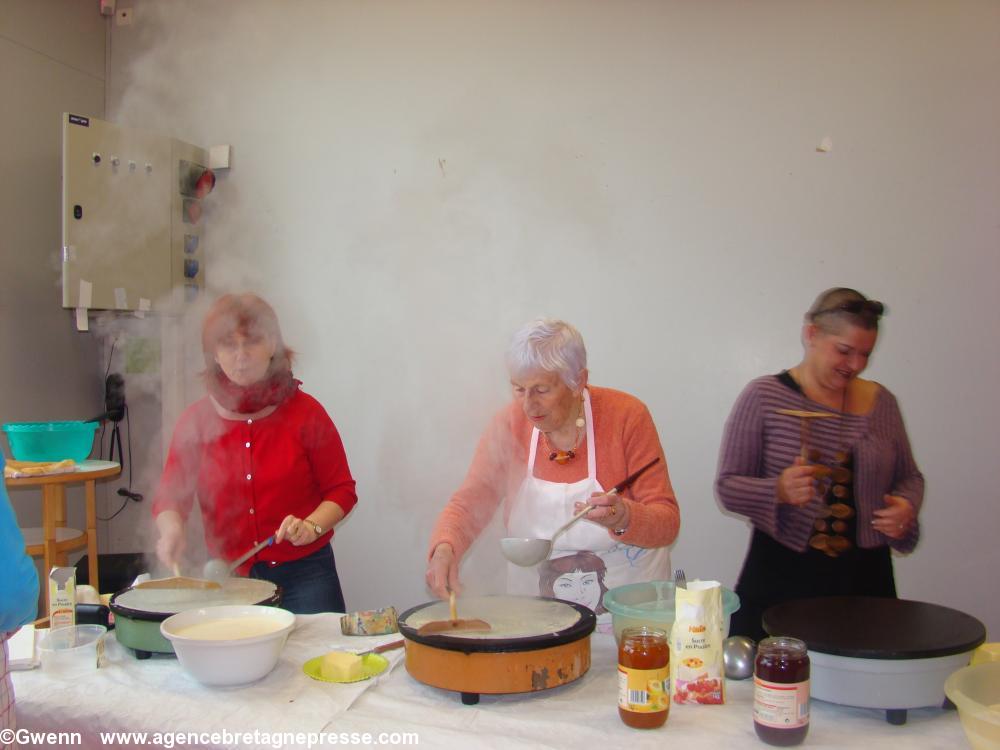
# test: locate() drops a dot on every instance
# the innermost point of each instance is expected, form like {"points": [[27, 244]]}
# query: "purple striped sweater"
{"points": [[758, 444]]}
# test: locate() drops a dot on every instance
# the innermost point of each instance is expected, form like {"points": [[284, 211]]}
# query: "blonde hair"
{"points": [[840, 305]]}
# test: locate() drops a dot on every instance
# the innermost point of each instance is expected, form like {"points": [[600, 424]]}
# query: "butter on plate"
{"points": [[341, 666]]}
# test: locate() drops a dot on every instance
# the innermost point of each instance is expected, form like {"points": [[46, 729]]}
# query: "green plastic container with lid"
{"points": [[50, 441], [652, 603]]}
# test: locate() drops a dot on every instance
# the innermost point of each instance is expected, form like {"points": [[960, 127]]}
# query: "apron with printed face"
{"points": [[586, 560]]}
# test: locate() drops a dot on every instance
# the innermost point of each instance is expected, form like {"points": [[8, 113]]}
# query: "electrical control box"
{"points": [[132, 218]]}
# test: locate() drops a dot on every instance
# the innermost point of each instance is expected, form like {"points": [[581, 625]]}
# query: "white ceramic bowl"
{"points": [[227, 645], [72, 651], [975, 691]]}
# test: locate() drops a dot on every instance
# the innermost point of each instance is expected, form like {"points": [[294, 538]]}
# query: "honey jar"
{"points": [[643, 677]]}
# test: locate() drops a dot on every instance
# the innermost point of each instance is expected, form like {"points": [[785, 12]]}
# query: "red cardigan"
{"points": [[249, 474]]}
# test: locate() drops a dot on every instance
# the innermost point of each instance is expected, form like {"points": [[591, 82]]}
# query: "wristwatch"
{"points": [[314, 526]]}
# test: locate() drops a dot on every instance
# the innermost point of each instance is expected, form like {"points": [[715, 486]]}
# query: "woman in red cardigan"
{"points": [[262, 458]]}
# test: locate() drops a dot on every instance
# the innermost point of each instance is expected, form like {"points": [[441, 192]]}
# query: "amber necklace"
{"points": [[561, 456]]}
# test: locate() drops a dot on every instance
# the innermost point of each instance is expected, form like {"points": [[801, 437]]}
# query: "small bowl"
{"points": [[50, 441], [229, 644], [652, 603], [975, 691], [72, 651]]}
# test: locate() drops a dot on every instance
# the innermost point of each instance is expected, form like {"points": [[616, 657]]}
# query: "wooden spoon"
{"points": [[805, 416], [454, 624]]}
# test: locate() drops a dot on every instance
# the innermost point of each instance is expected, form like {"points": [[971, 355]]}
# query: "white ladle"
{"points": [[219, 570], [527, 552]]}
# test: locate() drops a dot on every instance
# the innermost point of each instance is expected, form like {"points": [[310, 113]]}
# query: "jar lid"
{"points": [[782, 644], [643, 630]]}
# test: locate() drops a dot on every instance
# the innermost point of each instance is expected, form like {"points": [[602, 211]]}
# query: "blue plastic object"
{"points": [[50, 441]]}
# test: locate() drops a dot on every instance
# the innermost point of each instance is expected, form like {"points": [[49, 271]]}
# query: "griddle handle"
{"points": [[94, 614]]}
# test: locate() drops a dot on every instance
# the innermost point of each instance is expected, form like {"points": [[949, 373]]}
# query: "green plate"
{"points": [[372, 665]]}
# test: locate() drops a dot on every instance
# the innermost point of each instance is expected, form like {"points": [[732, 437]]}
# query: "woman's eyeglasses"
{"points": [[870, 307]]}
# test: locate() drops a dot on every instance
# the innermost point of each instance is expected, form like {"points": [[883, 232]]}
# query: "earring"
{"points": [[580, 421]]}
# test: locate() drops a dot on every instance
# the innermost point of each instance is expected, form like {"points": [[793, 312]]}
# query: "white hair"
{"points": [[549, 345]]}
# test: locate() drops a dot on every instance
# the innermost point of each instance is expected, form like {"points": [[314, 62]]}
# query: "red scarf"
{"points": [[270, 391]]}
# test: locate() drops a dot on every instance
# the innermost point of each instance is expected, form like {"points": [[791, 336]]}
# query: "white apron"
{"points": [[541, 507]]}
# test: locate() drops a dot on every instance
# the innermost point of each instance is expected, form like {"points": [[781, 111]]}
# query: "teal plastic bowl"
{"points": [[652, 604], [50, 441]]}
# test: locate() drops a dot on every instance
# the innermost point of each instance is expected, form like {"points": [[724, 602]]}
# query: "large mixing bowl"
{"points": [[50, 441], [975, 691], [230, 645]]}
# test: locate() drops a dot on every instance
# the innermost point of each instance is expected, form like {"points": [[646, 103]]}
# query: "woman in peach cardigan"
{"points": [[562, 443]]}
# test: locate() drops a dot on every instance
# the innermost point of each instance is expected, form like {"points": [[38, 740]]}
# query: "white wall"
{"points": [[411, 181], [51, 61]]}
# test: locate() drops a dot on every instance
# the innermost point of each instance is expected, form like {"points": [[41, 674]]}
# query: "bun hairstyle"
{"points": [[248, 314], [841, 305]]}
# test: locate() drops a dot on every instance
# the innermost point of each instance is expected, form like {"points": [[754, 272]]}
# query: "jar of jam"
{"points": [[643, 677], [781, 691]]}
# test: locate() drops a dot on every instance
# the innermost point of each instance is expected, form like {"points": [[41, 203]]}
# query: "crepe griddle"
{"points": [[877, 629], [493, 663]]}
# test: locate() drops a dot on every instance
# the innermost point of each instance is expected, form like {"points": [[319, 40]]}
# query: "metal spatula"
{"points": [[454, 624]]}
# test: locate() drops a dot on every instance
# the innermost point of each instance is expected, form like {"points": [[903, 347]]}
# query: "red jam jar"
{"points": [[781, 691], [643, 677]]}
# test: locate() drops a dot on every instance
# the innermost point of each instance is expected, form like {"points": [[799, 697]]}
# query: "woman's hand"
{"points": [[609, 510], [895, 519], [442, 571], [170, 545], [296, 531], [796, 485]]}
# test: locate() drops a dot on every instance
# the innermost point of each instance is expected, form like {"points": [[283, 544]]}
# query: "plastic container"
{"points": [[652, 604], [72, 651], [50, 441], [975, 691]]}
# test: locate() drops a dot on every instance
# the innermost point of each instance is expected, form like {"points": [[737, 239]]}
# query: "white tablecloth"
{"points": [[158, 696]]}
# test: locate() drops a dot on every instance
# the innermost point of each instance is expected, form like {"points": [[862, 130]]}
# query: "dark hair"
{"points": [[843, 305], [583, 561]]}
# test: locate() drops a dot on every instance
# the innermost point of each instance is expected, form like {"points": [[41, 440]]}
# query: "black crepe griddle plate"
{"points": [[867, 627]]}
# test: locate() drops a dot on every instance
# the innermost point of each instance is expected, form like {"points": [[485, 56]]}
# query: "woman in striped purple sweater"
{"points": [[825, 514]]}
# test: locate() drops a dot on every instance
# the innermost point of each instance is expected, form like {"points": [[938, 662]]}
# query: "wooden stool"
{"points": [[54, 540]]}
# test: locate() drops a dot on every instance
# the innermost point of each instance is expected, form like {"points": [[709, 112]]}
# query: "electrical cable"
{"points": [[107, 370], [116, 439], [124, 503], [128, 424]]}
